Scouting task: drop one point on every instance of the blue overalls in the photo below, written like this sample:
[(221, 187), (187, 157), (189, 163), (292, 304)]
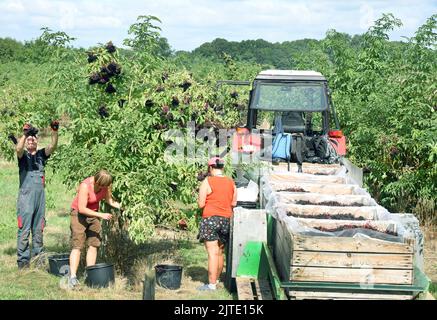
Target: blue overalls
[(31, 206)]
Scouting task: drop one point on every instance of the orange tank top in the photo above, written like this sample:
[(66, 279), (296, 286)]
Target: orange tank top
[(93, 198), (219, 201)]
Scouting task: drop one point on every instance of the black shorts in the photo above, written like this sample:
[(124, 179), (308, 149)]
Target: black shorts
[(215, 228)]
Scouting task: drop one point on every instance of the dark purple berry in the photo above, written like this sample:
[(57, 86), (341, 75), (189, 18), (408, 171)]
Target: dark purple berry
[(113, 69), (234, 95), (175, 101), (110, 47), (110, 89), (94, 78), (103, 112), (185, 86), (91, 57), (104, 79), (149, 103)]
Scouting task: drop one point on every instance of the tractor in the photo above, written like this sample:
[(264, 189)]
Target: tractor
[(296, 109)]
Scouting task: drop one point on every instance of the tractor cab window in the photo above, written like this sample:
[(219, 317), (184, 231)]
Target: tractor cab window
[(290, 96)]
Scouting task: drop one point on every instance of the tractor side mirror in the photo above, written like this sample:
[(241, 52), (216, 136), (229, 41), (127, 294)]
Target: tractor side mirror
[(335, 134)]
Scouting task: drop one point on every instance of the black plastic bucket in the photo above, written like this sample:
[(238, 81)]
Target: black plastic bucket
[(100, 275), (59, 264), (168, 276)]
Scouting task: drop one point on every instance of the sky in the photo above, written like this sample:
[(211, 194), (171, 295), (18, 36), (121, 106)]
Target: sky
[(189, 23)]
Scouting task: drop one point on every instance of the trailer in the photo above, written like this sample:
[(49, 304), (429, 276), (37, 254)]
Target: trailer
[(316, 233)]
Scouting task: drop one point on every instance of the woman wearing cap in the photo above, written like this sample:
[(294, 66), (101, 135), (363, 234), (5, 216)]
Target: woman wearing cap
[(85, 219), (217, 197)]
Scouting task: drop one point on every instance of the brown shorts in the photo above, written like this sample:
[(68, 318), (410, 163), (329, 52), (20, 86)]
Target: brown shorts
[(83, 229)]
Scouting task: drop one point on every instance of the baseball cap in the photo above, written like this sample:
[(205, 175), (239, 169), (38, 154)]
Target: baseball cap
[(215, 160)]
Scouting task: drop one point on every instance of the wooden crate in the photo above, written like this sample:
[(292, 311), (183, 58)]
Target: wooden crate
[(342, 259)]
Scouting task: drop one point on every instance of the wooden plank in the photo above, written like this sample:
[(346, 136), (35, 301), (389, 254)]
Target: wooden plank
[(266, 292), (244, 289), (364, 276), (263, 290), (352, 260), (329, 224), (342, 244), (308, 211), (301, 295), (283, 253)]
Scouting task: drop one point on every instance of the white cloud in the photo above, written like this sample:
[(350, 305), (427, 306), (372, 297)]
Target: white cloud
[(189, 23), (69, 14), (13, 6)]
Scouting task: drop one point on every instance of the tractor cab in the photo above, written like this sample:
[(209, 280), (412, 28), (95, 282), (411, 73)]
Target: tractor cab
[(294, 110)]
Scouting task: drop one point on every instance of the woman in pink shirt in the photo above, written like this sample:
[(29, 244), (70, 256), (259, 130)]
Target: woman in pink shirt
[(85, 219)]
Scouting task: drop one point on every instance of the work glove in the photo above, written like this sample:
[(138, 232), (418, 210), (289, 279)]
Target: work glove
[(12, 138), (54, 125)]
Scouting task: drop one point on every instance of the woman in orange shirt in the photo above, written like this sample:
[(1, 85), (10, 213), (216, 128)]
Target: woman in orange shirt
[(217, 197)]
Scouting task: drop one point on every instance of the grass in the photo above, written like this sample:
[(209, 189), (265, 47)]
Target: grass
[(167, 248), (36, 283)]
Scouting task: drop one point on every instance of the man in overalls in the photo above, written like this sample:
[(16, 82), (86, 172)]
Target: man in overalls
[(31, 198)]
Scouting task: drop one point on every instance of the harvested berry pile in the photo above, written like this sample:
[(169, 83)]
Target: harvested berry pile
[(292, 190), (347, 227), (329, 204), (349, 233), (327, 216)]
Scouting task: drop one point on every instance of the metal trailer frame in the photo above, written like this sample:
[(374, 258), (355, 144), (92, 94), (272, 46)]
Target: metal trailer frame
[(257, 263)]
